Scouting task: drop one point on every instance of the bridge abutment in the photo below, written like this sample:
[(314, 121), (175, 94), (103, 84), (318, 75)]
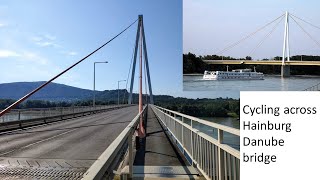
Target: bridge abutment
[(285, 71)]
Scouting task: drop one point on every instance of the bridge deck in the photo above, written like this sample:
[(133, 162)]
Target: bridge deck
[(63, 149), (158, 151), (158, 158), (271, 62)]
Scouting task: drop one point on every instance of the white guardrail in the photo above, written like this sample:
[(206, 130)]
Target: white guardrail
[(104, 166), (213, 158)]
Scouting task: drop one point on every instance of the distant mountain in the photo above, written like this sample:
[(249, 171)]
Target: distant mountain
[(64, 96), (60, 92), (52, 92)]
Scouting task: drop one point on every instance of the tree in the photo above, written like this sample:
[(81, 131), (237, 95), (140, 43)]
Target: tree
[(248, 58)]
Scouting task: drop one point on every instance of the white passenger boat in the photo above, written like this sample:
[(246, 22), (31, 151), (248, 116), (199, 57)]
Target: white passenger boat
[(237, 74)]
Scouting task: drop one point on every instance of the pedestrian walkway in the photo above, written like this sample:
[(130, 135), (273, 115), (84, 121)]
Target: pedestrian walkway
[(157, 157)]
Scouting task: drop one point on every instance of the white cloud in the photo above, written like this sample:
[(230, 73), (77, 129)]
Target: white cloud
[(24, 56), (45, 40), (34, 57), (50, 37), (72, 53), (48, 40), (36, 38), (68, 53), (8, 53), (2, 25), (44, 43)]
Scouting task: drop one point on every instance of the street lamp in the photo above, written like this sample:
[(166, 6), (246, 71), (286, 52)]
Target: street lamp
[(118, 90), (94, 81)]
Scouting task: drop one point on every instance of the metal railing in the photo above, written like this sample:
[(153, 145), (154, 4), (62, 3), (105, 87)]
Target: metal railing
[(32, 113), (108, 161), (213, 158), (313, 88), (53, 115)]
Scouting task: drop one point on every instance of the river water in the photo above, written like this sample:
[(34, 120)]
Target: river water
[(230, 139), (231, 88)]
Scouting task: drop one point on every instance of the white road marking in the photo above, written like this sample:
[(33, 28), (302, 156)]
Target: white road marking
[(38, 142)]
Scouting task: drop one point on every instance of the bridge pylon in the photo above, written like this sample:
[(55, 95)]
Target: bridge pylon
[(285, 69), (140, 32)]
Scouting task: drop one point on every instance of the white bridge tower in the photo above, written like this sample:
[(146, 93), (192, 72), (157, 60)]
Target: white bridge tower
[(285, 69)]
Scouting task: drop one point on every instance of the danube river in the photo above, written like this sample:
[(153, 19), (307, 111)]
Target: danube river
[(231, 88), (230, 139)]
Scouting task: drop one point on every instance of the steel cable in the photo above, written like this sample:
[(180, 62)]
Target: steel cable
[(248, 36), (263, 40), (304, 21), (46, 83), (308, 34)]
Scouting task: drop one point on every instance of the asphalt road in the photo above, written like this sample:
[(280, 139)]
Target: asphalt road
[(84, 138)]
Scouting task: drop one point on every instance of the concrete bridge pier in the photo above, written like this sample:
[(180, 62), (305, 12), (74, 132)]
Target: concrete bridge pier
[(285, 71)]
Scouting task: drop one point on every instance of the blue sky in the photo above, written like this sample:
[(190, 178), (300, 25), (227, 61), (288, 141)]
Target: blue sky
[(41, 38), (211, 25)]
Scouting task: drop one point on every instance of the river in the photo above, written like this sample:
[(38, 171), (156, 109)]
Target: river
[(231, 88), (230, 139)]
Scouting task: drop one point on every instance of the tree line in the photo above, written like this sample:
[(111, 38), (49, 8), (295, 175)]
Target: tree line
[(219, 107), (194, 64), (49, 104)]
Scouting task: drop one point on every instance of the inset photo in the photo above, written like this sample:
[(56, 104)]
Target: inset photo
[(233, 46)]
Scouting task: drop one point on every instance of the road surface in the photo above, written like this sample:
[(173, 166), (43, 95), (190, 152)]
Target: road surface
[(64, 147)]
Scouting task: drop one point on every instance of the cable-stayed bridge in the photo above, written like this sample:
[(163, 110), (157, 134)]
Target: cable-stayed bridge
[(125, 141), (285, 63)]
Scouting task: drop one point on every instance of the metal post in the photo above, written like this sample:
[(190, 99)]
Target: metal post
[(182, 118), (192, 155), (220, 155), (118, 91), (19, 118), (94, 82), (130, 144)]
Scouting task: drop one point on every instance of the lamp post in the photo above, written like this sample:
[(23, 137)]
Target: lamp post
[(94, 81), (118, 90)]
